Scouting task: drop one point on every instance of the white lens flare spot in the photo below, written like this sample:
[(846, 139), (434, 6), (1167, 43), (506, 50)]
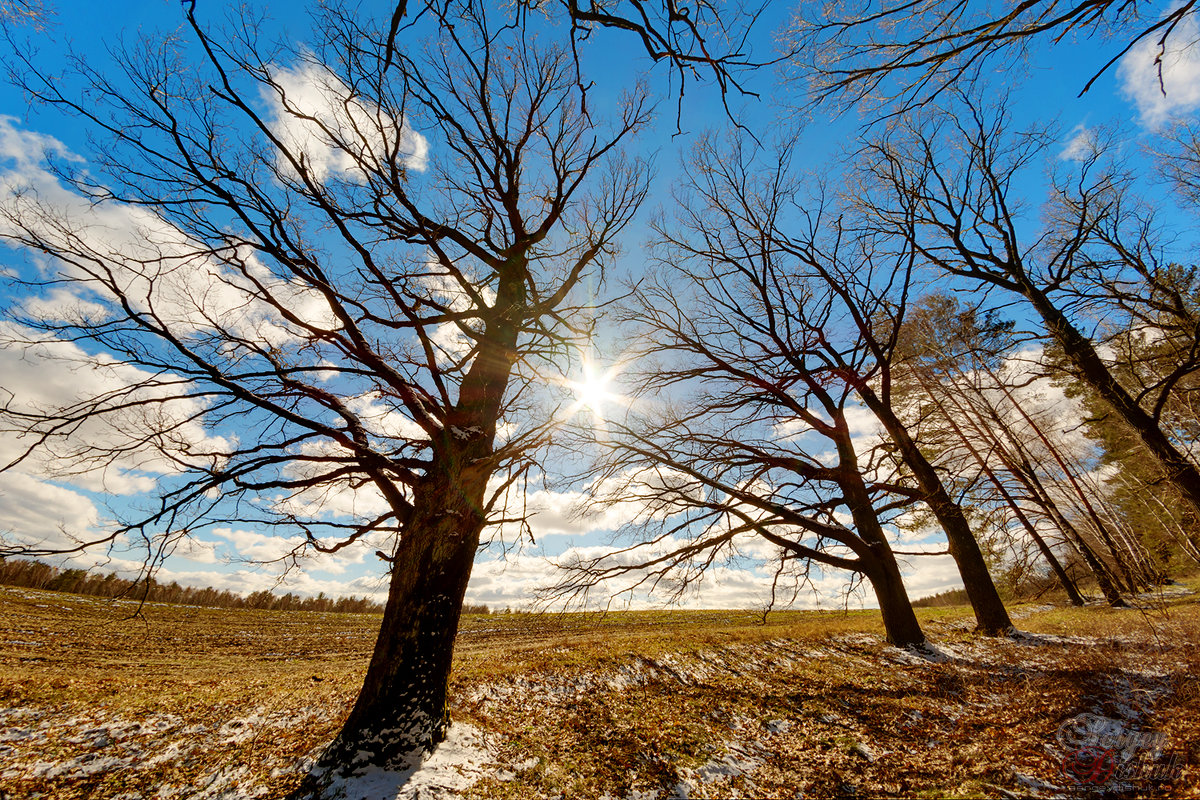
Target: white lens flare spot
[(594, 391)]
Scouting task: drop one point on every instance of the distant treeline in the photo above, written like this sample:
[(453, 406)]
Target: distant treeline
[(32, 574), (950, 597)]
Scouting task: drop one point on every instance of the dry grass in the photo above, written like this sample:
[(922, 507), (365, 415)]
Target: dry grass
[(205, 703)]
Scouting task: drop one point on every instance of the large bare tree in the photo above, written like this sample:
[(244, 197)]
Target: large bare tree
[(944, 184), (697, 39), (355, 267), (791, 320)]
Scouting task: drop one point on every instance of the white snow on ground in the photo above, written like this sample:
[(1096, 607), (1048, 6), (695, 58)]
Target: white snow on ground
[(458, 762), (105, 743), (735, 761)]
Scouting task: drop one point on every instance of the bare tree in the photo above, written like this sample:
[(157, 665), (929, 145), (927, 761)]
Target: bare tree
[(760, 460), (945, 185), (701, 39), (1179, 160), (23, 12), (820, 308), (353, 268)]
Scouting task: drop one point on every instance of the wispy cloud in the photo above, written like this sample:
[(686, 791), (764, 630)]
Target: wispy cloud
[(1081, 146), (1178, 92)]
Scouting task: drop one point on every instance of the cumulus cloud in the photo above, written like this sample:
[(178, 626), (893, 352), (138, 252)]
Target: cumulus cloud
[(42, 374), (928, 575), (200, 551), (1178, 93), (34, 511), (316, 115), (515, 581), (188, 285), (861, 421)]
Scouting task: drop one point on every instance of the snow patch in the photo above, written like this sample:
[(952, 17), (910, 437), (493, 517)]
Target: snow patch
[(454, 765)]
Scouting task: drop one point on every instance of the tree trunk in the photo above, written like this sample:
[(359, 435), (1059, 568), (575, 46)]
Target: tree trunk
[(1180, 471), (1074, 538), (878, 561), (991, 618), (900, 623), (401, 709)]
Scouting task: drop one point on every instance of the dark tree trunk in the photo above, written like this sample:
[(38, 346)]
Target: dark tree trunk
[(402, 705), (401, 709), (1179, 470), (900, 623), (991, 618)]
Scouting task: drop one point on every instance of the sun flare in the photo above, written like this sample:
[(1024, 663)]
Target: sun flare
[(593, 391)]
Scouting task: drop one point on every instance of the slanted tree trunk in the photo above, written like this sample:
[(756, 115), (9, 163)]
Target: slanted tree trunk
[(402, 709), (991, 618), (900, 623), (879, 562), (402, 705), (1056, 566), (1094, 517), (1101, 572), (933, 391), (1179, 470)]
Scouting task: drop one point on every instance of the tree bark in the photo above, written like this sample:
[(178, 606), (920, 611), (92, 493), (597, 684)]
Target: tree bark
[(900, 623), (1180, 471), (402, 707), (879, 562), (991, 618)]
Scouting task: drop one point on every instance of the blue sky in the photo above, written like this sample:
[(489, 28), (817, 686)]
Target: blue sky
[(35, 503)]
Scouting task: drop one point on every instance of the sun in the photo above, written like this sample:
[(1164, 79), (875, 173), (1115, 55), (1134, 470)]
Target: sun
[(593, 391)]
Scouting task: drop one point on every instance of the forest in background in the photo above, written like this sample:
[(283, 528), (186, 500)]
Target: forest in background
[(33, 574)]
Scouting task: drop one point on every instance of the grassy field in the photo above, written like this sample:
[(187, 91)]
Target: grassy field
[(205, 703)]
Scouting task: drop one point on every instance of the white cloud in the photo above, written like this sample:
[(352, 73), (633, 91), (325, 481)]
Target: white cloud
[(742, 582), (33, 511), (45, 374), (348, 498), (514, 582), (928, 575), (316, 115), (256, 546), (301, 582), (451, 341), (200, 551), (384, 419), (1080, 146), (1179, 91), (153, 264)]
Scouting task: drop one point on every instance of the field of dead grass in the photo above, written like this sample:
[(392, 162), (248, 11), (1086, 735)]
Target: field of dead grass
[(204, 703)]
